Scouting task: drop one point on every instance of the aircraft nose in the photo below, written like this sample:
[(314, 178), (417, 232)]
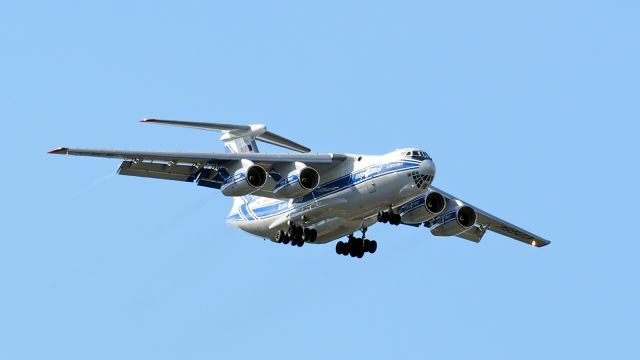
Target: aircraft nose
[(427, 167)]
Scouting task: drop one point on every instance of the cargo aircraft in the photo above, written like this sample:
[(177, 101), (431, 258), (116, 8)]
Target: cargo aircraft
[(315, 198)]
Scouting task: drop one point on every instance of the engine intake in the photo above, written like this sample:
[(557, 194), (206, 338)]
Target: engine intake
[(423, 208), (297, 183), (256, 176), (245, 181), (456, 219)]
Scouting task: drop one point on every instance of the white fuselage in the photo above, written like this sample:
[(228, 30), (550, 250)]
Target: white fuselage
[(347, 200)]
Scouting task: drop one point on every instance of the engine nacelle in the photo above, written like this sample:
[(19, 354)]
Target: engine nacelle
[(297, 182), (423, 208), (246, 180), (455, 219)]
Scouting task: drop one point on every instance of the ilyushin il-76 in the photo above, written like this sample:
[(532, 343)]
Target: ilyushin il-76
[(299, 198)]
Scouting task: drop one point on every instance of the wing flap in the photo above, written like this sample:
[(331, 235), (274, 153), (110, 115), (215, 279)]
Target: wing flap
[(165, 171)]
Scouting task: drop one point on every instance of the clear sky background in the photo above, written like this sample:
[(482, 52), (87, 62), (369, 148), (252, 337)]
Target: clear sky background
[(529, 109)]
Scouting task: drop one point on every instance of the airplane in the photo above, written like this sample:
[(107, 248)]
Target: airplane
[(299, 198)]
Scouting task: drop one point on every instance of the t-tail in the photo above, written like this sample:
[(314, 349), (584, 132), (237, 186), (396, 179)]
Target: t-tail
[(238, 138)]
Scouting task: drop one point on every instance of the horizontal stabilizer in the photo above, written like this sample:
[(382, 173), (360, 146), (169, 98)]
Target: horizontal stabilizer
[(198, 125), (259, 132)]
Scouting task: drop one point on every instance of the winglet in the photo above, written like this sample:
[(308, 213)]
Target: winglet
[(60, 150)]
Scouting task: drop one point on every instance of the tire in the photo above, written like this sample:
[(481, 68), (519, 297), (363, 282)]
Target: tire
[(286, 239), (280, 236), (373, 246), (339, 247), (314, 235), (306, 234), (352, 251), (367, 244)]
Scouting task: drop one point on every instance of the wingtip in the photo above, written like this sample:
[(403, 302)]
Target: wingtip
[(60, 150), (540, 243), (147, 120)]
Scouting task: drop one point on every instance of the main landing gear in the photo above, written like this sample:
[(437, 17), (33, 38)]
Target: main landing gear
[(297, 235), (389, 217), (356, 247)]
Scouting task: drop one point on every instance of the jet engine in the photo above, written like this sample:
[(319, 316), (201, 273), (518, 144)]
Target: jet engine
[(456, 219), (246, 180), (299, 181), (423, 208)]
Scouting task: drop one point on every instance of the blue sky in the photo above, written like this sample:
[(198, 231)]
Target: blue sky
[(529, 109)]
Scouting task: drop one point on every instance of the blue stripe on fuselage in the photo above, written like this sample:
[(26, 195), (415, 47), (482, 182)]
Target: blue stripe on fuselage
[(329, 188)]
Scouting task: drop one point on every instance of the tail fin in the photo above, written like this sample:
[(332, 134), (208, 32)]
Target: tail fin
[(238, 138)]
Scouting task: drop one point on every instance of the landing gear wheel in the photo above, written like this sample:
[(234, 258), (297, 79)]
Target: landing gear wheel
[(314, 235), (367, 244), (352, 250), (339, 247), (383, 217), (280, 235), (298, 237), (306, 234), (373, 246)]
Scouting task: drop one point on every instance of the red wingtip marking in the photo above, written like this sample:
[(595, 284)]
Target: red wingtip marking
[(58, 150)]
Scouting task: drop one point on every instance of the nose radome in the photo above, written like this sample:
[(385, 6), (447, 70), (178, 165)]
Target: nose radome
[(427, 167)]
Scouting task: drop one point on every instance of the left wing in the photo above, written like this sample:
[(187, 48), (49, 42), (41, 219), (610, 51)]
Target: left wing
[(201, 167), (486, 221)]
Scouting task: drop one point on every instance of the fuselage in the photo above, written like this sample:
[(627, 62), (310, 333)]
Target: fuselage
[(348, 198)]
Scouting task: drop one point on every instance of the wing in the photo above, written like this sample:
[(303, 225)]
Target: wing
[(486, 221), (199, 167)]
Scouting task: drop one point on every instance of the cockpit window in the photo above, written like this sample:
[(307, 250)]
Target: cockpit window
[(416, 154)]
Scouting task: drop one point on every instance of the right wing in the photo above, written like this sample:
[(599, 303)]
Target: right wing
[(201, 167), (486, 221)]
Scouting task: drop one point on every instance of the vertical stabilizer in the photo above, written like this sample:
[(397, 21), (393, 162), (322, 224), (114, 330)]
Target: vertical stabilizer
[(242, 140)]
